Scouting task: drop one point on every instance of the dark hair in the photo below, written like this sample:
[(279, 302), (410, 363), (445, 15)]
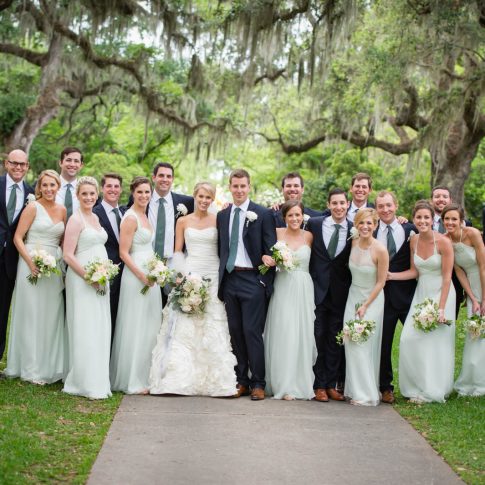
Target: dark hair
[(292, 175), (423, 204), (337, 191), (111, 176), (440, 187), (361, 176), (289, 204), (239, 173), (69, 150), (139, 181), (453, 207), (164, 165)]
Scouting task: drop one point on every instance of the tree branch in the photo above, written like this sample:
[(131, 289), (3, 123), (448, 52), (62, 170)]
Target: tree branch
[(36, 58)]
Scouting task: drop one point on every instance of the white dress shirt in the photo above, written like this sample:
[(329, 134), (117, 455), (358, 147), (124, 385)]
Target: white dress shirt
[(20, 195), (242, 257), (329, 227), (353, 209), (169, 221), (397, 233), (61, 194), (112, 217)]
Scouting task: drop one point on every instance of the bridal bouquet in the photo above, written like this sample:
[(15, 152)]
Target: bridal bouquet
[(45, 263), (356, 330), (101, 272), (475, 326), (283, 257), (158, 273), (190, 294), (426, 316)]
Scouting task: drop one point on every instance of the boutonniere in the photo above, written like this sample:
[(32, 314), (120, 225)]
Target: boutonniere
[(411, 234), (30, 198), (306, 218), (182, 210), (250, 217), (354, 233)]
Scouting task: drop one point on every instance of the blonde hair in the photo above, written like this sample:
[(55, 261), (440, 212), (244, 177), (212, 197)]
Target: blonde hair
[(86, 180), (364, 213), (206, 186), (46, 173)]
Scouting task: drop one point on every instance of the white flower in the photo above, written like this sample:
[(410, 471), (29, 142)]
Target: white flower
[(306, 218), (250, 217), (411, 234), (182, 210), (354, 233), (30, 198)]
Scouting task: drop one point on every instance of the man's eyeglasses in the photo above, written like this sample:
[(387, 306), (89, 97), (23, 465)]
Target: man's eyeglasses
[(18, 164)]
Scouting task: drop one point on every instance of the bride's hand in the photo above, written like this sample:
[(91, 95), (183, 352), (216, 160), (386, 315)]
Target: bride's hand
[(268, 261), (146, 281)]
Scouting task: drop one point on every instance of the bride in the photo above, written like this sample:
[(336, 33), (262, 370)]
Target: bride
[(193, 352)]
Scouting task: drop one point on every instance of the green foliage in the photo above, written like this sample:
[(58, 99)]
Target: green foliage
[(102, 163)]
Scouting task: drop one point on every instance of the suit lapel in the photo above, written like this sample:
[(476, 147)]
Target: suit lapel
[(225, 218), (106, 223), (3, 188)]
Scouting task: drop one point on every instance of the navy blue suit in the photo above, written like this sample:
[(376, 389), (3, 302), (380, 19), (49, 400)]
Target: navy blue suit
[(246, 293), (331, 280), (279, 221), (8, 258), (398, 297), (113, 250)]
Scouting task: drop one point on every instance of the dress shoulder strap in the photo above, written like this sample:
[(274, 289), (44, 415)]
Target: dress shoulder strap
[(131, 212), (416, 245), (434, 243), (461, 234), (82, 218)]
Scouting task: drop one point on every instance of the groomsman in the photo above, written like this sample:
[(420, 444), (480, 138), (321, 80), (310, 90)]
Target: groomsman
[(164, 209), (246, 232), (360, 188), (13, 196), (398, 294), (293, 188), (70, 163), (109, 214), (331, 278)]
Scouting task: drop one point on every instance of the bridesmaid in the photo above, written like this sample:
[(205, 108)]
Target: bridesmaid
[(87, 313), (36, 347), (139, 316), (289, 341), (368, 263), (470, 269), (426, 360)]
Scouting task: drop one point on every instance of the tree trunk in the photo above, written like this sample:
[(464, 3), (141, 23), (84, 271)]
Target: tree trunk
[(46, 105), (451, 163)]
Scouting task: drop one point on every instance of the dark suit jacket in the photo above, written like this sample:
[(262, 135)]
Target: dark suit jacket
[(7, 231), (112, 245), (259, 237), (331, 277), (279, 221), (400, 294)]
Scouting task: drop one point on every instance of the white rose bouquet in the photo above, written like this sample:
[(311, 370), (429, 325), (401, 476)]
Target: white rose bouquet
[(426, 316), (158, 273), (45, 263), (356, 330), (283, 256), (101, 272), (475, 327), (190, 294)]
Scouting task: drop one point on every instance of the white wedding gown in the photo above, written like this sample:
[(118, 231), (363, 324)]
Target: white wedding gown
[(193, 354)]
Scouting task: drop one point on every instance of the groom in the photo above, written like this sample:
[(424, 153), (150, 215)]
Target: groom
[(331, 278), (246, 232)]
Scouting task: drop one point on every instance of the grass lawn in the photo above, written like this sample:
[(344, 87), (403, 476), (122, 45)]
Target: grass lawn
[(48, 436), (456, 429)]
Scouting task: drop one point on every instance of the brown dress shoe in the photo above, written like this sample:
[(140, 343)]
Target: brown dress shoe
[(242, 391), (335, 395), (388, 397), (321, 395), (257, 394)]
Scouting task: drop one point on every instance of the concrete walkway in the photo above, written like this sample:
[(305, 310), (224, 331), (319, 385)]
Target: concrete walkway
[(195, 440)]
